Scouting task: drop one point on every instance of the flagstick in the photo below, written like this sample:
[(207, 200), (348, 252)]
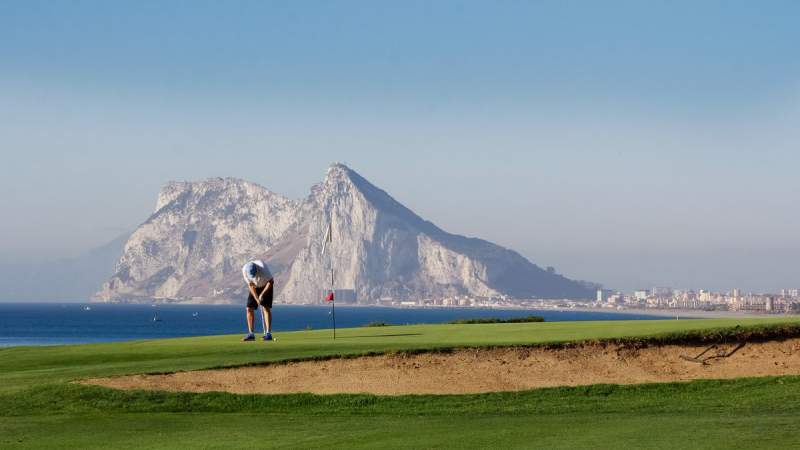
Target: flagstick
[(333, 303), (329, 240)]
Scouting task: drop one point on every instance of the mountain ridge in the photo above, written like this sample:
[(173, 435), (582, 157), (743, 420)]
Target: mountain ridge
[(193, 245)]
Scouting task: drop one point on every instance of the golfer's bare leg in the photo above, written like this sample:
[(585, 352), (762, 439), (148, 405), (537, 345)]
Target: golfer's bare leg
[(250, 320), (267, 312)]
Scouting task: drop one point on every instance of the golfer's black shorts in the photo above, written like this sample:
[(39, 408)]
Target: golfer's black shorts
[(266, 299)]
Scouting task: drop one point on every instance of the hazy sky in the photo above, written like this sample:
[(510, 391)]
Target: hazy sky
[(629, 143)]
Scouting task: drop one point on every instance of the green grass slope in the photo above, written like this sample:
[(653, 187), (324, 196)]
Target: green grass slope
[(39, 408)]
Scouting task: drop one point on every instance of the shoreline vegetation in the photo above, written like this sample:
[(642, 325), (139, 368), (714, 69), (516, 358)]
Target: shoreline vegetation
[(479, 320), (473, 321)]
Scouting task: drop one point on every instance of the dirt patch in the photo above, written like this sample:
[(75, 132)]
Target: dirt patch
[(480, 370)]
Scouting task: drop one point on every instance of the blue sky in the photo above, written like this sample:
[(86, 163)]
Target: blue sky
[(630, 143)]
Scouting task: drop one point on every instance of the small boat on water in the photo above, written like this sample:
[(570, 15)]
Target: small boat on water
[(88, 308), (195, 314), (156, 318)]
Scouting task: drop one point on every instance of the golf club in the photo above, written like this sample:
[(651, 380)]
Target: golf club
[(263, 322)]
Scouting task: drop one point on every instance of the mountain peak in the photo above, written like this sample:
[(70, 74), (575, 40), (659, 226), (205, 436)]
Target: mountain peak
[(341, 179), (337, 166), (338, 172)]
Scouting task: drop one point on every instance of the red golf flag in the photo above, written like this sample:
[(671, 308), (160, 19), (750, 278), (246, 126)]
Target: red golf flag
[(329, 298)]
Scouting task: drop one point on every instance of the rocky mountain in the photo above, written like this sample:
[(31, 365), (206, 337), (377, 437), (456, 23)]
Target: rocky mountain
[(201, 233)]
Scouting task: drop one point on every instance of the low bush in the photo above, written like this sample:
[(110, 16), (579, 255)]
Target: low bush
[(498, 320)]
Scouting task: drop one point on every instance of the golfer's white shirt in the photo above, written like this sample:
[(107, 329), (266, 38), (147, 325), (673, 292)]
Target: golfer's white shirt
[(262, 277)]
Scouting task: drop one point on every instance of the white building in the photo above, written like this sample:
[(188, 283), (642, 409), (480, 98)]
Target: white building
[(662, 292)]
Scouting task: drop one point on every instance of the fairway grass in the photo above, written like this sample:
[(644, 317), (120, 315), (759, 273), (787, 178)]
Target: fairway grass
[(40, 408)]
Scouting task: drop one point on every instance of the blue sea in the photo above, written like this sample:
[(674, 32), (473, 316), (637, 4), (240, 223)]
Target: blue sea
[(79, 323)]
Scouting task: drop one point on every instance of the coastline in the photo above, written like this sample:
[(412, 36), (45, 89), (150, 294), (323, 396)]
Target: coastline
[(666, 313), (682, 313)]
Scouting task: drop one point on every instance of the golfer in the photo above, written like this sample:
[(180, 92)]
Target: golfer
[(260, 284)]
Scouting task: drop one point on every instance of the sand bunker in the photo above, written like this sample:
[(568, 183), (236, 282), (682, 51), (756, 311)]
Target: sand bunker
[(479, 370)]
